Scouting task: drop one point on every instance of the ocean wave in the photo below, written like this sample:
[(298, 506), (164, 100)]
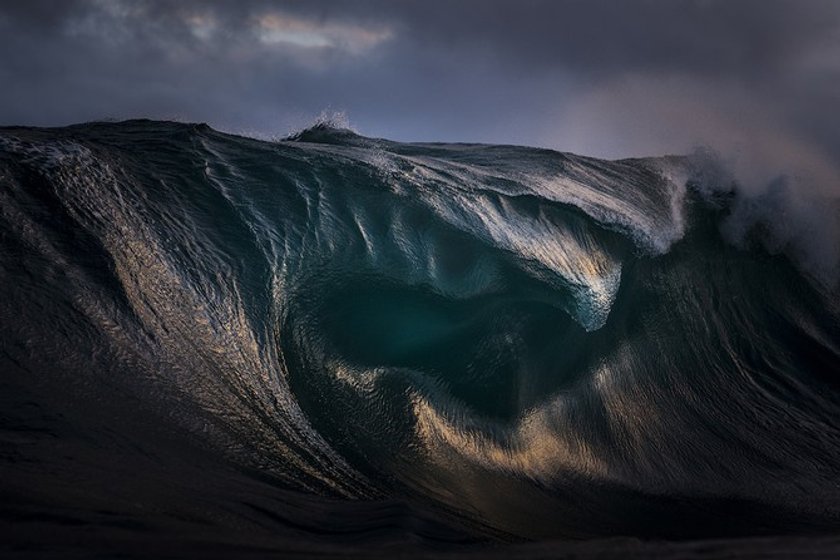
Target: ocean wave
[(518, 343)]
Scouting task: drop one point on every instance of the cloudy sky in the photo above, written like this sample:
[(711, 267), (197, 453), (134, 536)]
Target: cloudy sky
[(760, 79)]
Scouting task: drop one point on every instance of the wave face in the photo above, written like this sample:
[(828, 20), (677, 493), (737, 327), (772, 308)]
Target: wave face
[(360, 340)]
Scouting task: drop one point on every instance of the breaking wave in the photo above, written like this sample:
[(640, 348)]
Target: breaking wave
[(484, 342)]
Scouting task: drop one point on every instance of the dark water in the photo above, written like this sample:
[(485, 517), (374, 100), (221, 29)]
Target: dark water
[(344, 346)]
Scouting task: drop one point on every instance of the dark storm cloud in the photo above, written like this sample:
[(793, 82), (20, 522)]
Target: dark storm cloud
[(607, 78), (601, 37)]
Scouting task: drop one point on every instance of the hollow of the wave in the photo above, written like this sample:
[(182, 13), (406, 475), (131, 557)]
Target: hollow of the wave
[(497, 354)]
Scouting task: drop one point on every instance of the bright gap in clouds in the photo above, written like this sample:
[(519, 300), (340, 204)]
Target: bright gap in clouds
[(278, 28)]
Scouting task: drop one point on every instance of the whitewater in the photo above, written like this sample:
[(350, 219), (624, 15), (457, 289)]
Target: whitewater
[(331, 343)]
